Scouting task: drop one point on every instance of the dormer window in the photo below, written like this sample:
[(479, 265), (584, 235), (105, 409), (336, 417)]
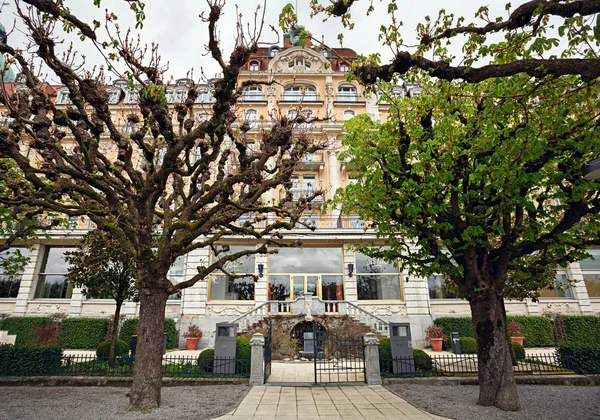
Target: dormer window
[(325, 53), (273, 52), (344, 67), (62, 98), (177, 96), (132, 96), (204, 96), (114, 96), (254, 66)]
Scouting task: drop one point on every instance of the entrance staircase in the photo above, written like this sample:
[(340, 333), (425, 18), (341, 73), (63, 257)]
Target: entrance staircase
[(309, 305)]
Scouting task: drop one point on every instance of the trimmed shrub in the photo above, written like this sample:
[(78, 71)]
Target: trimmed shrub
[(468, 345), (128, 331), (206, 360), (243, 354), (538, 329), (121, 349), (581, 329), (519, 351), (583, 359), (29, 360), (22, 326), (83, 333), (423, 362)]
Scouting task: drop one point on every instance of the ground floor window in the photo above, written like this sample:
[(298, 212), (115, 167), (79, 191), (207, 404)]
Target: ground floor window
[(52, 283), (438, 289), (376, 279), (225, 287), (592, 284), (176, 275), (11, 271), (561, 288)]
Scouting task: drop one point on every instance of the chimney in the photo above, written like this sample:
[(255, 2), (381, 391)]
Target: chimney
[(286, 41)]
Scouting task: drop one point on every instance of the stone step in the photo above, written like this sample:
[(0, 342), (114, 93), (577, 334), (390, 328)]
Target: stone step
[(6, 338)]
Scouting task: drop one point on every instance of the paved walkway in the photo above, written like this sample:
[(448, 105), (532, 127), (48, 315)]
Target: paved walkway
[(327, 403)]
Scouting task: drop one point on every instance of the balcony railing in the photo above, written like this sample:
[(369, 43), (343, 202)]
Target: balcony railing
[(253, 97), (312, 161), (299, 97), (349, 97)]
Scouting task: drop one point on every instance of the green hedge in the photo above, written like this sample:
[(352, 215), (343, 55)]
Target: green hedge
[(29, 360), (519, 351), (128, 331), (582, 329), (538, 329), (83, 333), (583, 359), (468, 345), (22, 326)]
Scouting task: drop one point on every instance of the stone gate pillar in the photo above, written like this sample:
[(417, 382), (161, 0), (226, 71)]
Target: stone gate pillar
[(372, 371), (257, 374)]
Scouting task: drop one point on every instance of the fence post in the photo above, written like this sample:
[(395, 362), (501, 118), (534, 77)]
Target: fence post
[(372, 372), (257, 375)]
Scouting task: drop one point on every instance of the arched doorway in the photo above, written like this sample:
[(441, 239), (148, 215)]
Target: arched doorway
[(303, 327)]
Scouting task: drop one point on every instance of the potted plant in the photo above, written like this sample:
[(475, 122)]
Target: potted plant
[(192, 335), (516, 331), (435, 335)]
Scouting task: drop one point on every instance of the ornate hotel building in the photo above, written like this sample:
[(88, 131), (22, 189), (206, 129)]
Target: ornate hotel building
[(342, 281)]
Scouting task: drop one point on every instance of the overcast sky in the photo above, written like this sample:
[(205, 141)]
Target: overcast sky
[(175, 25)]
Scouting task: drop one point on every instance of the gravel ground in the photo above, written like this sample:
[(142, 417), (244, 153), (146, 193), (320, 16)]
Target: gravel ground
[(538, 402), (104, 403)]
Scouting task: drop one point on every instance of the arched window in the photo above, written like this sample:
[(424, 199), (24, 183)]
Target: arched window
[(114, 95), (299, 62), (300, 93), (347, 94), (253, 93), (348, 115), (251, 117), (254, 66), (273, 52)]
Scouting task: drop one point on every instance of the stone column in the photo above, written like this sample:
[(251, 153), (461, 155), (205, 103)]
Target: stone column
[(578, 288), (372, 372), (28, 280), (257, 373), (77, 299), (350, 286)]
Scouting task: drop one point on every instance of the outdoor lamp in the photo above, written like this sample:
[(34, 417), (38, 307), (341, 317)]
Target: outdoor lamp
[(350, 269), (261, 270)]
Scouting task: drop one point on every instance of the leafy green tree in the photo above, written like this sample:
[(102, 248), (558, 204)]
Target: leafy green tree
[(104, 270), (170, 187), (480, 179)]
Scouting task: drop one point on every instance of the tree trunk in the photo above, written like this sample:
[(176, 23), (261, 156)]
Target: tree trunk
[(497, 385), (114, 334), (147, 373)]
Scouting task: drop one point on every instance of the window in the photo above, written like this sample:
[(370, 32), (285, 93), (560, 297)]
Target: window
[(197, 154), (299, 62), (273, 52), (438, 289), (129, 127), (348, 115), (202, 117), (376, 279), (52, 283), (251, 117), (62, 98), (355, 222), (176, 275), (161, 157), (303, 186), (325, 53), (300, 93), (224, 287), (561, 288), (177, 95), (114, 96), (293, 113), (10, 276), (132, 96), (590, 268), (254, 66), (253, 93), (344, 67), (347, 94), (204, 96)]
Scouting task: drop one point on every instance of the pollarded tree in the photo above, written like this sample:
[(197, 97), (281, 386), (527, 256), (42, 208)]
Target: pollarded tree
[(105, 271), (169, 190), (484, 172)]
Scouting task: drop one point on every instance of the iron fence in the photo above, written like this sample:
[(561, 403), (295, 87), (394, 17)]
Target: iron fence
[(465, 364), (211, 367)]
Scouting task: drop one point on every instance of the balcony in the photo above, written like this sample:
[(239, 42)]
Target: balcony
[(313, 161), (299, 97), (349, 98), (253, 97), (297, 194)]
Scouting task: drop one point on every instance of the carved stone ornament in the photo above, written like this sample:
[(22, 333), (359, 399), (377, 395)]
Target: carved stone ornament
[(281, 63), (47, 308), (227, 310), (257, 340), (385, 310), (559, 307), (371, 339)]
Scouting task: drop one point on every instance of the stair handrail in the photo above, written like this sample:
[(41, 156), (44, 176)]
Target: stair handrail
[(364, 311), (262, 305)]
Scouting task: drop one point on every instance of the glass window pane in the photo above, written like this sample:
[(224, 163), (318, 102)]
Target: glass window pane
[(306, 260), (378, 287), (279, 288), (591, 264), (438, 289), (592, 283), (243, 265), (367, 265), (332, 287), (9, 284), (51, 280), (230, 288)]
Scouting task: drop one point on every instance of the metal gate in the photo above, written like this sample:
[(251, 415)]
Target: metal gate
[(268, 352), (338, 359)]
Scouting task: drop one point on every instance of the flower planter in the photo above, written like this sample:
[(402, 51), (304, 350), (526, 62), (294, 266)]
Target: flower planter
[(436, 343), (191, 343), (518, 340)]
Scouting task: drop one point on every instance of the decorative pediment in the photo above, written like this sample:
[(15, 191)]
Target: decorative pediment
[(299, 60)]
